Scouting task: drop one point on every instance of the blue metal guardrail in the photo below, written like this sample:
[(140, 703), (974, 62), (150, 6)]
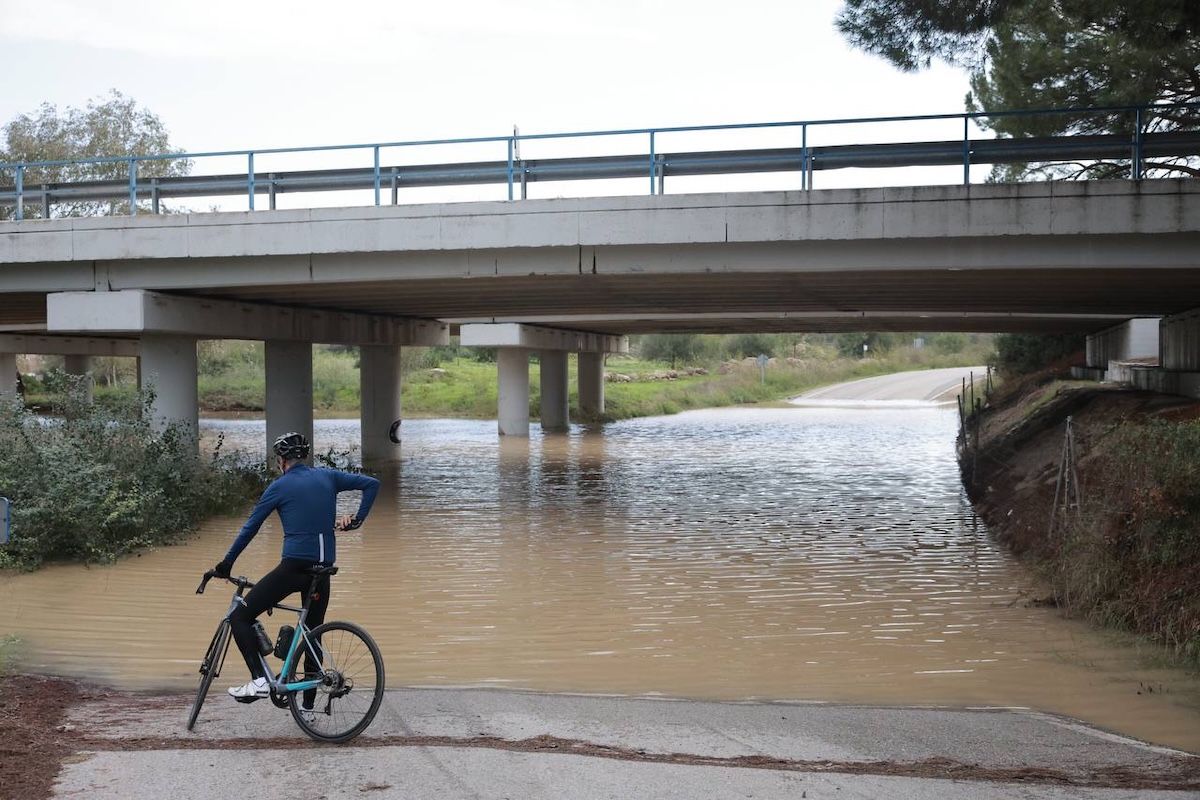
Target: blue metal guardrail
[(5, 520), (1135, 146)]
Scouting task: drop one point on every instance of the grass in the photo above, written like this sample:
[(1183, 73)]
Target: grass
[(1130, 559)]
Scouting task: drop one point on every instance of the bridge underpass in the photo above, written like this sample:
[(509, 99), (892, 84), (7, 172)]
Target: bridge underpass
[(1049, 257)]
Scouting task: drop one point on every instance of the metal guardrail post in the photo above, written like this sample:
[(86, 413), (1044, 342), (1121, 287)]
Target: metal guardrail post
[(1135, 165), (651, 162), (133, 187), (19, 214), (966, 150), (46, 200), (511, 144), (250, 179), (376, 149), (395, 186), (804, 157), (155, 206)]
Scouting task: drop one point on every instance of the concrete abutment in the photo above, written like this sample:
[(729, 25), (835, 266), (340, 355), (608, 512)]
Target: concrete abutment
[(1159, 355)]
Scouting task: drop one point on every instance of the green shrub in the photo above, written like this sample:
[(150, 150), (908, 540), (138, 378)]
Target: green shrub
[(97, 481), (1020, 353), (1131, 558)]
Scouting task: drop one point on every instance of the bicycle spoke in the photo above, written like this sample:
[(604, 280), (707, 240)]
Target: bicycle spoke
[(351, 674)]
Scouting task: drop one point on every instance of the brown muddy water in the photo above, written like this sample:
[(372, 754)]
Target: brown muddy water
[(816, 553)]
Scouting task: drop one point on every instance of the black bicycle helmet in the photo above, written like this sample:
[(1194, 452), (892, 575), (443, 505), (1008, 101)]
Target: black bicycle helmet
[(292, 446)]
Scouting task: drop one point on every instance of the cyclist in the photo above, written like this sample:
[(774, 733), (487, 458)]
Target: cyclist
[(306, 499)]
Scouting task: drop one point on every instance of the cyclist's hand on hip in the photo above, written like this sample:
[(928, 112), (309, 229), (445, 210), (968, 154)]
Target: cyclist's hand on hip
[(348, 523), (221, 570)]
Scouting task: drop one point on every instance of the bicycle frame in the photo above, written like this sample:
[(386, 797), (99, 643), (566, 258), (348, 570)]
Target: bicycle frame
[(301, 634), (298, 636)]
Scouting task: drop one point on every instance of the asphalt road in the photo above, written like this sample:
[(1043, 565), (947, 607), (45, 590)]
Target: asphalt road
[(449, 743), (923, 386)]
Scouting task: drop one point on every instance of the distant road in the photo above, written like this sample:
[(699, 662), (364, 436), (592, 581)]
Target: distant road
[(929, 385)]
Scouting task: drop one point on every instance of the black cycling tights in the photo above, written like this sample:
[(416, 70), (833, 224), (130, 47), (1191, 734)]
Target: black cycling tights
[(285, 579)]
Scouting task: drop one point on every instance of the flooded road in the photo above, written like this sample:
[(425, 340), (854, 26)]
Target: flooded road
[(806, 553)]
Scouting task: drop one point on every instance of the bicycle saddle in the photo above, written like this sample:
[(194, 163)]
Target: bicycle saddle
[(318, 570)]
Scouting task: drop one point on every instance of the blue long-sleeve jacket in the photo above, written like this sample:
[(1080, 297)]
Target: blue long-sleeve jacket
[(306, 500)]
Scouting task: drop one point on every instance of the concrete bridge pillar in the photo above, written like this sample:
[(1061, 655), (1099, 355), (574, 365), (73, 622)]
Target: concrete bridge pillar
[(515, 340), (591, 384), (8, 375), (554, 399), (512, 363), (379, 380), (168, 366), (289, 402), (81, 367)]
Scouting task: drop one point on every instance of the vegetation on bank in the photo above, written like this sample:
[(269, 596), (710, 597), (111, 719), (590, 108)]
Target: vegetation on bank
[(1131, 557), (98, 481), (1127, 556), (663, 374)]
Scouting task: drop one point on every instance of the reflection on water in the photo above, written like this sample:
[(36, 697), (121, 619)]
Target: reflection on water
[(793, 553)]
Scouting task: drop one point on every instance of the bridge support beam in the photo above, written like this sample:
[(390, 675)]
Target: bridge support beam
[(168, 366), (591, 384), (379, 380), (289, 402), (8, 376), (512, 363), (554, 394)]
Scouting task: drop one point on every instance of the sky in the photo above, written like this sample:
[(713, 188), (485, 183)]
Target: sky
[(240, 75)]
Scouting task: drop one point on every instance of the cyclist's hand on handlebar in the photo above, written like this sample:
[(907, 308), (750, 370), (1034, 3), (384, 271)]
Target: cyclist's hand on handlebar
[(221, 570)]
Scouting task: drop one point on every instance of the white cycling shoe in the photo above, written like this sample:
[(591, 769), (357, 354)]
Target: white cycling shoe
[(251, 691)]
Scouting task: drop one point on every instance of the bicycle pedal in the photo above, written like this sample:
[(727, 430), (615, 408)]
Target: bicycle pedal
[(247, 699)]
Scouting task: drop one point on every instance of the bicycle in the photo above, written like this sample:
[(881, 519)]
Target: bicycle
[(340, 682)]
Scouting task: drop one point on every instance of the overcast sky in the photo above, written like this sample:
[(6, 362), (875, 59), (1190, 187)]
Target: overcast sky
[(233, 75)]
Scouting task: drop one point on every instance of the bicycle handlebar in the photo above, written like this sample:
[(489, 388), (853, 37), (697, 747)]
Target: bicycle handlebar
[(240, 582)]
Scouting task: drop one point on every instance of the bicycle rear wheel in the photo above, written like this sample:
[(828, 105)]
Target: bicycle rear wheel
[(352, 683), (210, 668)]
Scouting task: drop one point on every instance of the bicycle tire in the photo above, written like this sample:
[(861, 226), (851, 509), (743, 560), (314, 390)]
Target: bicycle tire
[(210, 668), (344, 650)]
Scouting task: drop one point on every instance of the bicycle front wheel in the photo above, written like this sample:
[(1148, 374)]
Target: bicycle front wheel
[(210, 668), (349, 665)]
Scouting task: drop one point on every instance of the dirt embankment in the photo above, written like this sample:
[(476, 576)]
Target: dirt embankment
[(34, 740), (1128, 554)]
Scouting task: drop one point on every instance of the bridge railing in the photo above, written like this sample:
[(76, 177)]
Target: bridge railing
[(128, 180)]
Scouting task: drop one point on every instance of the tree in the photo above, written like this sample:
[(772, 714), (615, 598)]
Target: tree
[(746, 345), (1020, 353), (1066, 53), (108, 126), (851, 344), (673, 347), (912, 33)]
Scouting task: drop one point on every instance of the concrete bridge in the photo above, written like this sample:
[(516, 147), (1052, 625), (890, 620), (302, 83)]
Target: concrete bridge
[(576, 275)]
